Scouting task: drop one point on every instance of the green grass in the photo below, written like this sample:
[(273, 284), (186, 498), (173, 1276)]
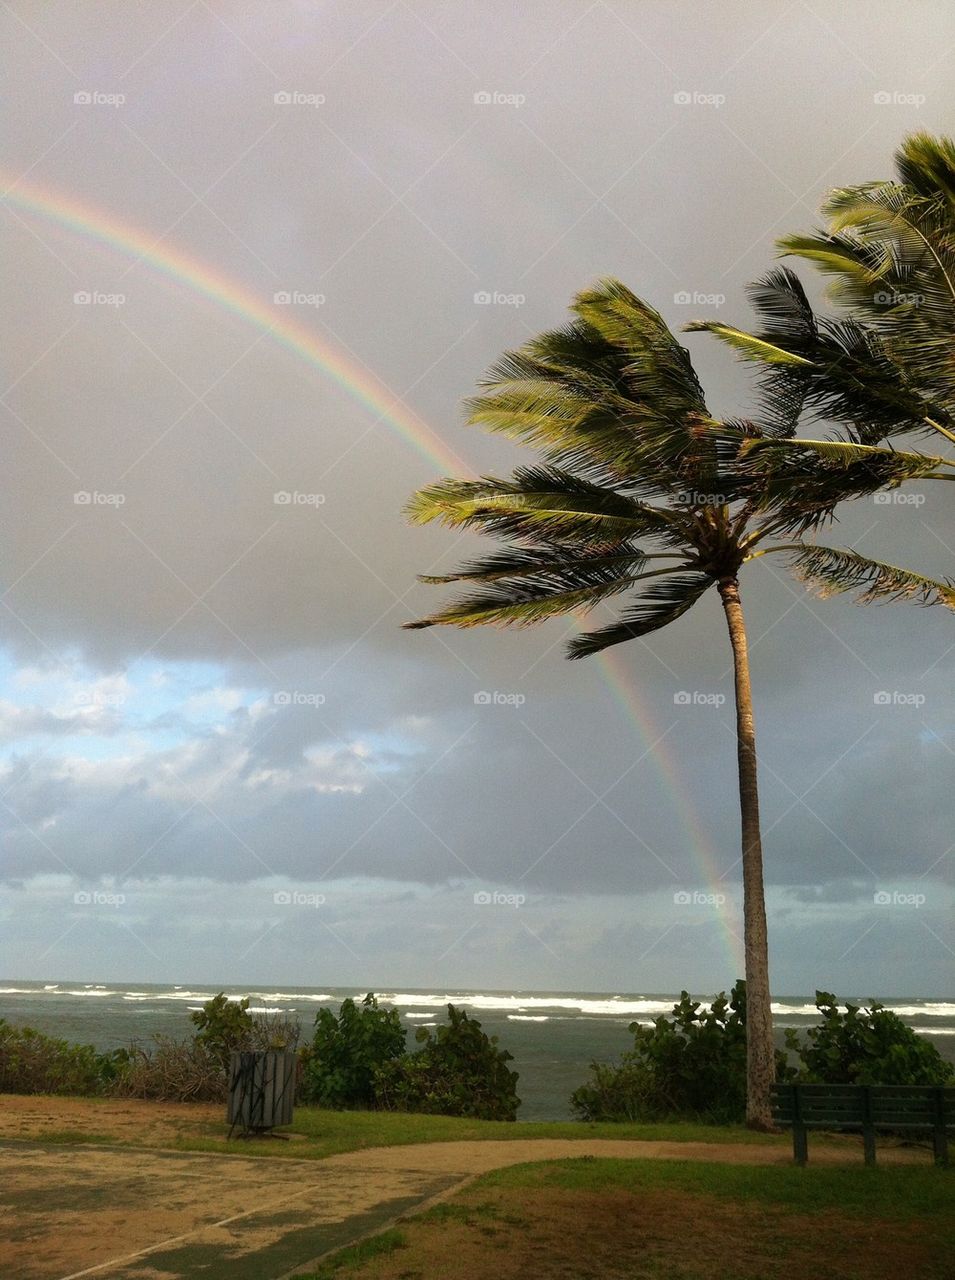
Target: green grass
[(881, 1196), (356, 1255), (889, 1191), (68, 1137), (334, 1132)]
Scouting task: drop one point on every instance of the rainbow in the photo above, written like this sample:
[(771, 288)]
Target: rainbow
[(105, 228), (346, 371), (627, 694)]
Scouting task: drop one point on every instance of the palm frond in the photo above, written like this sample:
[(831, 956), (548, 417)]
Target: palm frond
[(660, 604), (833, 571)]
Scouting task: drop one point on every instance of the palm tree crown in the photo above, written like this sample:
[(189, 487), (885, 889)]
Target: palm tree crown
[(638, 493)]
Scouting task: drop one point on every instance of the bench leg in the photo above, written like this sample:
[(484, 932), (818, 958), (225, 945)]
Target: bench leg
[(868, 1142), (800, 1144), (940, 1143)]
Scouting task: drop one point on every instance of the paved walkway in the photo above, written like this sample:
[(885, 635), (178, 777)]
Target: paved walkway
[(119, 1213)]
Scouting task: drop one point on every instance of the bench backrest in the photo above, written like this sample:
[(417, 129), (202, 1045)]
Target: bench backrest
[(885, 1106)]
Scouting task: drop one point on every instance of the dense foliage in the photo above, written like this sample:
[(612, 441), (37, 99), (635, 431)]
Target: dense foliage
[(460, 1071), (31, 1062), (339, 1068), (865, 1046), (692, 1064)]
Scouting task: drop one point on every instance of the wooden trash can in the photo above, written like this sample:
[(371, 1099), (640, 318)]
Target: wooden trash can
[(261, 1089)]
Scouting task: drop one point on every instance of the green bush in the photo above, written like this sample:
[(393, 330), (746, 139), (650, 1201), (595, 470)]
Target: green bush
[(339, 1067), (691, 1065), (31, 1062), (460, 1071), (865, 1046), (223, 1025)]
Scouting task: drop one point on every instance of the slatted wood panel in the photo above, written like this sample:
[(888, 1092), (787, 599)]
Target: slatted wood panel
[(869, 1108), (261, 1089)]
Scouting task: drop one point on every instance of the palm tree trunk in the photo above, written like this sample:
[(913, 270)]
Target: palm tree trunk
[(760, 1052)]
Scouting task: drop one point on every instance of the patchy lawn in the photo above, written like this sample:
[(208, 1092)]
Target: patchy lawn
[(637, 1220)]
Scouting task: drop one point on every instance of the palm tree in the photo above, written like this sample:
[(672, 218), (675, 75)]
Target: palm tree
[(633, 497), (887, 366)]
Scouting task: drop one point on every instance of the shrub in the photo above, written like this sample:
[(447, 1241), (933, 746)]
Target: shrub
[(459, 1072), (340, 1065), (197, 1070), (223, 1025), (170, 1070), (31, 1062), (691, 1065), (865, 1046)]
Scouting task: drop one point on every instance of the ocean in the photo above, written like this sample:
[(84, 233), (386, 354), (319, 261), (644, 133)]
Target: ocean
[(554, 1036)]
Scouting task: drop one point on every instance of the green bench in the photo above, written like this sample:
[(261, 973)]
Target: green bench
[(867, 1109)]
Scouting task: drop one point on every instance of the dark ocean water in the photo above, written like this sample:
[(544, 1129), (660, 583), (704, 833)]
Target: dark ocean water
[(553, 1036)]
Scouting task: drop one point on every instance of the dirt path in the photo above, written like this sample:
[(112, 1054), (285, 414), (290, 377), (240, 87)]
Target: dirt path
[(140, 1212)]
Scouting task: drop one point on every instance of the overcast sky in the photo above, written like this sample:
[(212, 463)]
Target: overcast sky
[(222, 759)]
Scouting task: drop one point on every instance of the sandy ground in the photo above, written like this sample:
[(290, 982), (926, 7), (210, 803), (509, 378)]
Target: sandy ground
[(122, 1212)]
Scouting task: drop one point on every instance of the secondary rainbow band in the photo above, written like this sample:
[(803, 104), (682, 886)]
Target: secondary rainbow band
[(347, 372), (106, 229)]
